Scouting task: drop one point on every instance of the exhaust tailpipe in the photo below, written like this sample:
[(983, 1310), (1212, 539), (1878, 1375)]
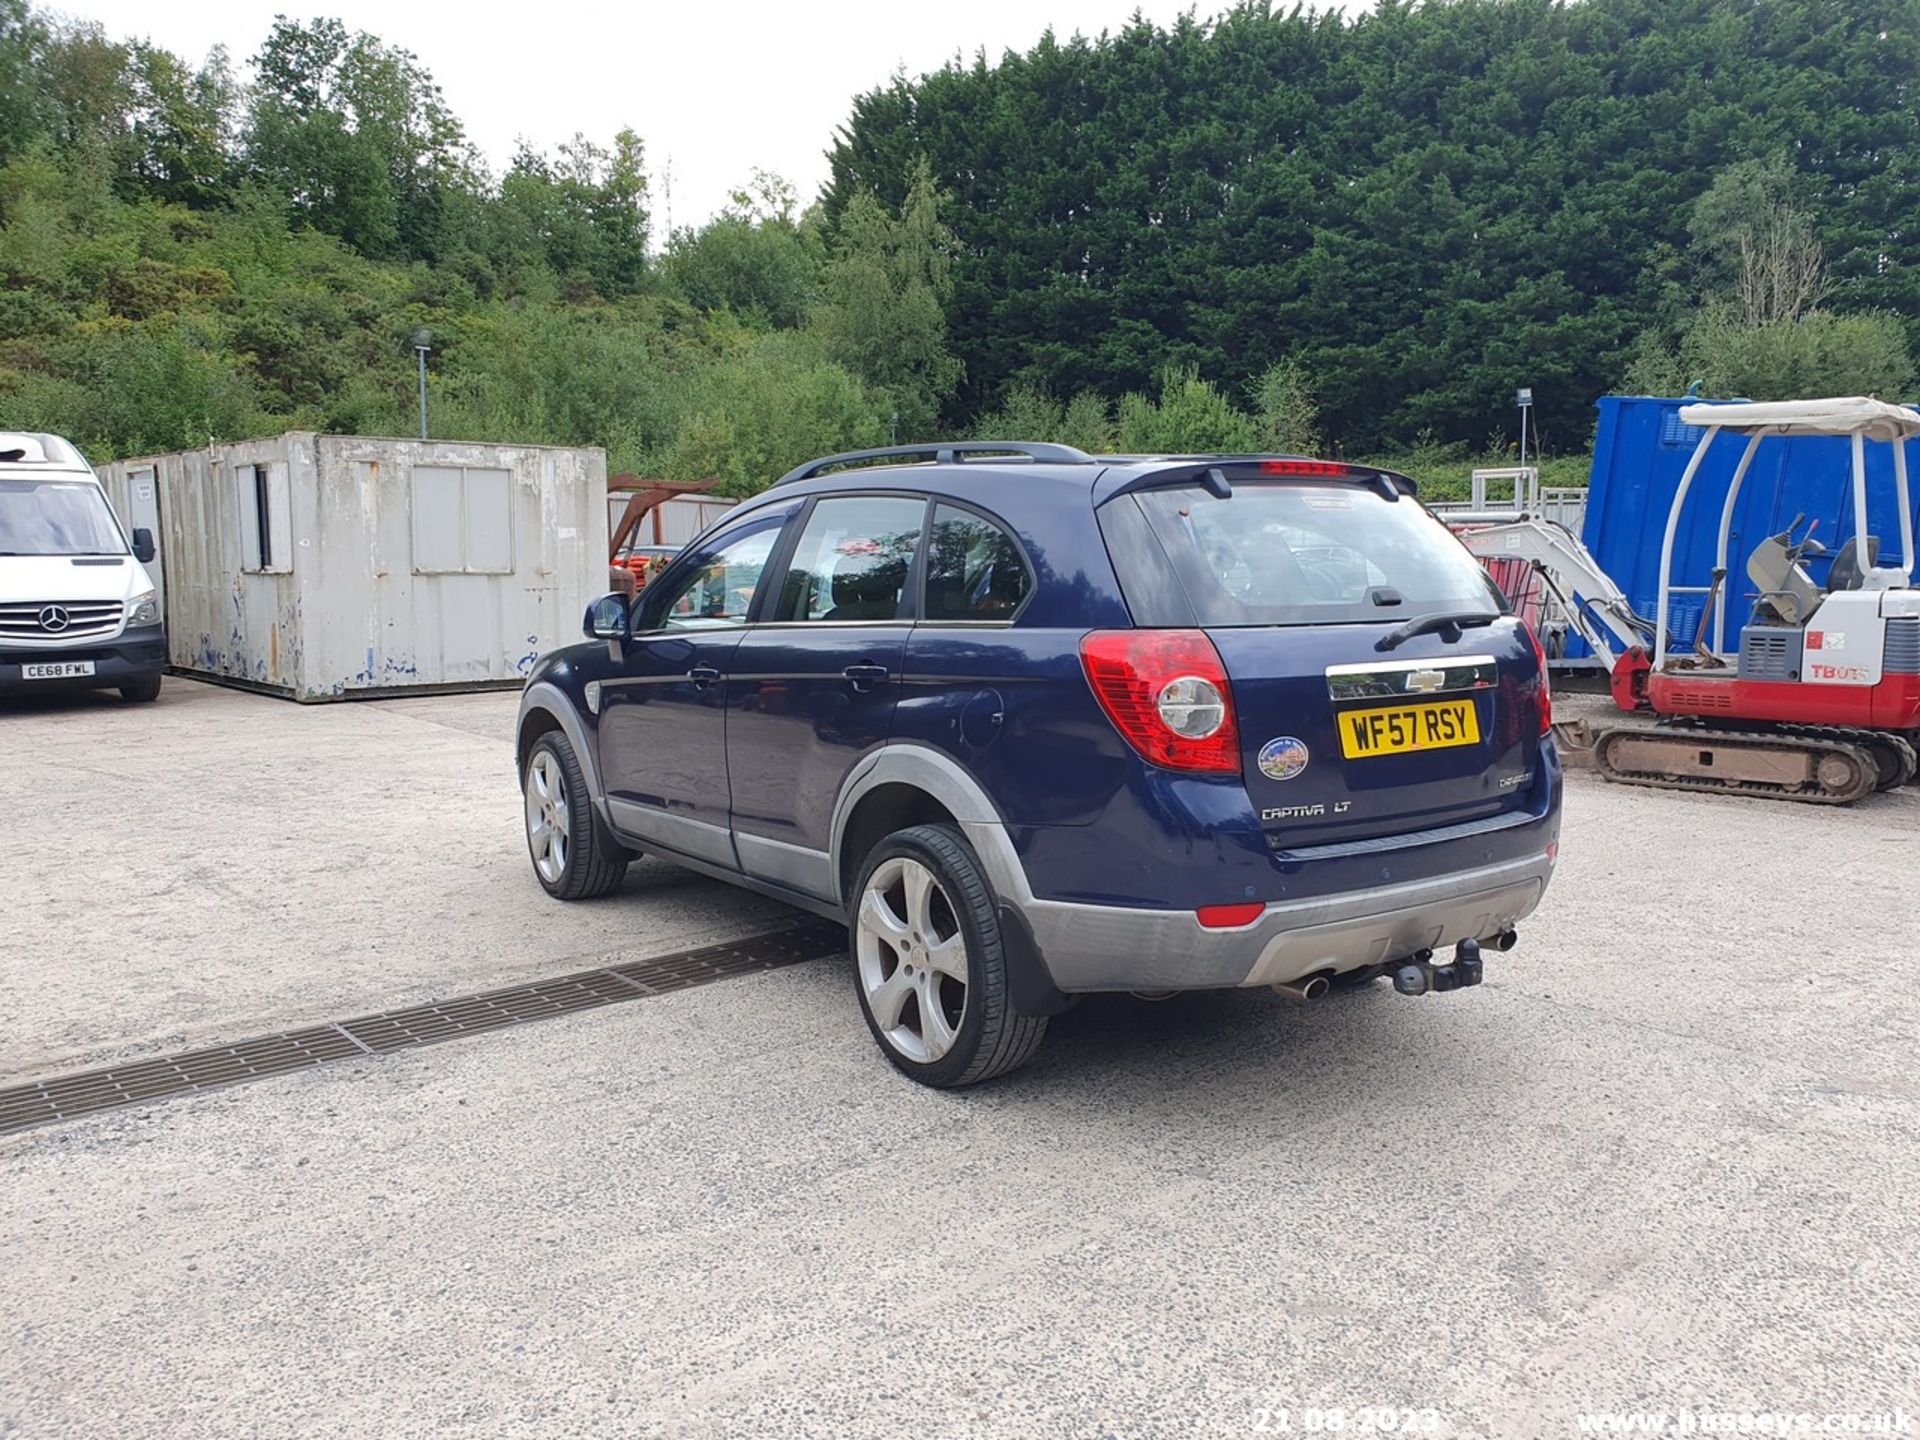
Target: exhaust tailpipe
[(1506, 940), (1313, 987)]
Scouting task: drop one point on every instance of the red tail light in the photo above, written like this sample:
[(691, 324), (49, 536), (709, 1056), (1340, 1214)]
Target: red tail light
[(1546, 691), (1166, 692)]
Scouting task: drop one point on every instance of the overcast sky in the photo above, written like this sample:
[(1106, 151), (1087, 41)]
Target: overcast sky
[(714, 88)]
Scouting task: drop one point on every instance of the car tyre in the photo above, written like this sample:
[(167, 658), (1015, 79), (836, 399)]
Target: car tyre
[(574, 856), (141, 692), (929, 967)]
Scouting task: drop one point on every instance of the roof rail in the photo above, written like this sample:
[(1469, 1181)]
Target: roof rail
[(943, 452)]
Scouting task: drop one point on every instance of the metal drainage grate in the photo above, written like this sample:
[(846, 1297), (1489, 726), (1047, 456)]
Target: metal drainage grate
[(65, 1097)]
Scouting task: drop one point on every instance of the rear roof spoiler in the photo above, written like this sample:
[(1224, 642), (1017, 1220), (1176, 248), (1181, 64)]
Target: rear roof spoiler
[(1217, 472)]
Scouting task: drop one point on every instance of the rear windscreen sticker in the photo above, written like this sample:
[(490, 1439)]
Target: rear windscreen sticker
[(1328, 502), (1283, 757)]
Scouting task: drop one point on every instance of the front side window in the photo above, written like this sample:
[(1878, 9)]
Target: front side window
[(56, 517), (853, 560), (974, 568), (719, 590)]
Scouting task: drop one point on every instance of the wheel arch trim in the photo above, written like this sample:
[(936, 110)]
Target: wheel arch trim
[(545, 696), (946, 781)]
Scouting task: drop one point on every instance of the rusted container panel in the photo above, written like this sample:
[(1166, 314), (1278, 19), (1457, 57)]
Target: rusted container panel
[(329, 566)]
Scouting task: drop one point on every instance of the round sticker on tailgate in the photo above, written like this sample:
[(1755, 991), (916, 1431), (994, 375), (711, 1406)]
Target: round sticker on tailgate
[(1283, 757)]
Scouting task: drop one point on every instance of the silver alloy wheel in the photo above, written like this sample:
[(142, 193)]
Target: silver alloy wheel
[(547, 833), (912, 958)]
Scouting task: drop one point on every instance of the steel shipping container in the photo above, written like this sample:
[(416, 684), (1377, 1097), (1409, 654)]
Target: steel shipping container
[(325, 567)]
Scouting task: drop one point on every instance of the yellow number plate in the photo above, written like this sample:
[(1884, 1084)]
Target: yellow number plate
[(1396, 729)]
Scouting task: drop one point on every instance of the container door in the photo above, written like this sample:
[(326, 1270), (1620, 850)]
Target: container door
[(143, 513)]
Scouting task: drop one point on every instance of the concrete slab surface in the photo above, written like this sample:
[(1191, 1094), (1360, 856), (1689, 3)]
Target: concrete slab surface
[(194, 869), (1664, 1158)]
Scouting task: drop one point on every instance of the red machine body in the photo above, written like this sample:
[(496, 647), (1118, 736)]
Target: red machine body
[(1893, 704)]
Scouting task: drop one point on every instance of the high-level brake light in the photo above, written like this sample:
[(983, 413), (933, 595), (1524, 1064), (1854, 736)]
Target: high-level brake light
[(1319, 469)]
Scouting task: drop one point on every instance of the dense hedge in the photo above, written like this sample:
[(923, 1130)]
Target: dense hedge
[(1425, 205)]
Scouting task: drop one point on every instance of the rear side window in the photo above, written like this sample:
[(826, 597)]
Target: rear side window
[(853, 559), (975, 570), (1294, 554)]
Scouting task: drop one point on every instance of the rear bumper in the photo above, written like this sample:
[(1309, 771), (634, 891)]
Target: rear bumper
[(1108, 947), (1331, 909), (133, 656)]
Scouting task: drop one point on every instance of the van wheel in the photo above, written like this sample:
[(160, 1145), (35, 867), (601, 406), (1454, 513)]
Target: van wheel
[(574, 858), (928, 964), (141, 692)]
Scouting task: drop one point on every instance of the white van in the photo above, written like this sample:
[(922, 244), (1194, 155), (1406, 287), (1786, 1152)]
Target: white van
[(77, 607)]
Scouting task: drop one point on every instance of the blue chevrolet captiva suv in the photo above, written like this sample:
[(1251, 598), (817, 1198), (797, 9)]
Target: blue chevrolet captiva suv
[(1034, 723)]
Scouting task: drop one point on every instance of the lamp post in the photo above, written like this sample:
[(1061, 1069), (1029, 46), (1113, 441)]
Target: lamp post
[(423, 342)]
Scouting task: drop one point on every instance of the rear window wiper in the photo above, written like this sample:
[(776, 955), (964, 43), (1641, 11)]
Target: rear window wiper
[(1448, 625)]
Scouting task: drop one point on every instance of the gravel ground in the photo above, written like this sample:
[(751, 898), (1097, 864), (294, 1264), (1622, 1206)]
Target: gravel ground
[(1665, 1157)]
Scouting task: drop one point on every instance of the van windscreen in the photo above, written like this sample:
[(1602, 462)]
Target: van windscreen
[(56, 517), (1305, 554)]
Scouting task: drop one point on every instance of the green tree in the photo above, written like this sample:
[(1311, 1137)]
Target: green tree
[(1085, 421), (355, 135), (23, 40), (1284, 409), (168, 385), (1188, 415), (583, 213), (1424, 204), (886, 283), (1756, 327), (755, 258), (1819, 353), (181, 125), (770, 403)]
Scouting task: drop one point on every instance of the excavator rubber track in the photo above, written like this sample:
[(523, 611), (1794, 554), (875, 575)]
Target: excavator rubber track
[(1813, 768), (1893, 753)]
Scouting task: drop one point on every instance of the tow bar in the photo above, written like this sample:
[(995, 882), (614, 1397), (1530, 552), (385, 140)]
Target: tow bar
[(1418, 974)]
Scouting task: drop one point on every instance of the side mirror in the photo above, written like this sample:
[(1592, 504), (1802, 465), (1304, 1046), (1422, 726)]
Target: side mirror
[(143, 549), (607, 618)]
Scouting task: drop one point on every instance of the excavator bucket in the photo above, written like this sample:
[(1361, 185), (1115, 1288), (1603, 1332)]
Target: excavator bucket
[(1574, 740)]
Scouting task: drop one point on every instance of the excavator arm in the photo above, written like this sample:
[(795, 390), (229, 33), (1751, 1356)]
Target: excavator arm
[(1599, 613)]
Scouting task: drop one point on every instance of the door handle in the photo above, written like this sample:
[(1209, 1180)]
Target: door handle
[(865, 677), (703, 676)]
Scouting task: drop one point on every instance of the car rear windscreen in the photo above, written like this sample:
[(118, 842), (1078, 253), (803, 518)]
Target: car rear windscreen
[(1288, 553)]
